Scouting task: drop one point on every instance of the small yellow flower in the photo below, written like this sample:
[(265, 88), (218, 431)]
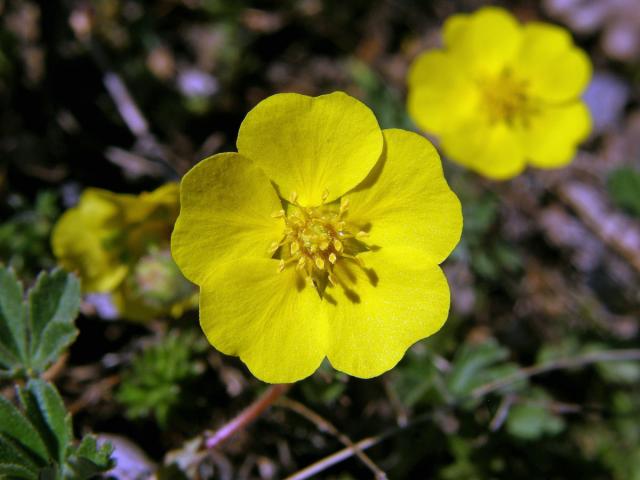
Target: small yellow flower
[(501, 94), (321, 237), (118, 243)]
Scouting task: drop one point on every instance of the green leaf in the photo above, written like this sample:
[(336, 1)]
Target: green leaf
[(158, 377), (13, 337), (33, 336), (533, 420), (37, 441), (89, 460), (14, 425), (47, 412), (476, 364), (53, 306), (12, 470), (11, 453), (624, 188)]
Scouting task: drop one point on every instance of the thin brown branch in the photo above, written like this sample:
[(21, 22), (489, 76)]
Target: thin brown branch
[(325, 426), (558, 364), (616, 230), (248, 415), (346, 453), (335, 458), (502, 413)]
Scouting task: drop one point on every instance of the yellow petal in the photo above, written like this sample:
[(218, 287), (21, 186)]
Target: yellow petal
[(552, 137), (404, 298), (406, 200), (555, 70), (80, 241), (494, 151), (454, 28), (226, 212), (441, 94), (311, 146), (485, 42), (273, 321)]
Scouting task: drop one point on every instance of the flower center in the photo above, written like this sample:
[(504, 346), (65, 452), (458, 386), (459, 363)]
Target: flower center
[(315, 238), (507, 99)]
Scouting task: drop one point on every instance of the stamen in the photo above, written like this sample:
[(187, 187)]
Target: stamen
[(316, 238), (273, 247)]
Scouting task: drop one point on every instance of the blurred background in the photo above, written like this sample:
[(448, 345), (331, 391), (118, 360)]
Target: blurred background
[(126, 95)]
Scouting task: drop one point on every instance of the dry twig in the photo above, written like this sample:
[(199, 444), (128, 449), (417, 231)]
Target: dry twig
[(325, 426), (247, 416)]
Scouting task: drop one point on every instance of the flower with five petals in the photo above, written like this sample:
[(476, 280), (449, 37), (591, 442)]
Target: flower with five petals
[(501, 94), (320, 238)]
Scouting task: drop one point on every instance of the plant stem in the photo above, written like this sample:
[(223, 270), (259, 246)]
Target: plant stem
[(560, 363), (248, 415), (325, 426)]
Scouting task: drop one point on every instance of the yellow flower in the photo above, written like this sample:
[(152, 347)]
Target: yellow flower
[(501, 94), (340, 259), (118, 243)]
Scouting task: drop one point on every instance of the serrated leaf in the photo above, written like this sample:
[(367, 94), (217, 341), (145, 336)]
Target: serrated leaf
[(33, 336), (56, 337), (100, 456), (13, 338), (14, 425), (12, 454), (53, 305), (46, 411), (89, 460), (12, 470)]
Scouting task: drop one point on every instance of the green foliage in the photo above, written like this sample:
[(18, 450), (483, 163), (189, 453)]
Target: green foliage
[(155, 383), (532, 418), (36, 440), (490, 257), (34, 332), (24, 236), (624, 188), (478, 364)]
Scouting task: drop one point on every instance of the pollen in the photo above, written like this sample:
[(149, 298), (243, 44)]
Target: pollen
[(507, 99), (316, 238)]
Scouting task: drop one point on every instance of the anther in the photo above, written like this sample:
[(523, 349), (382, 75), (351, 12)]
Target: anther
[(319, 263), (293, 197), (295, 246), (362, 234), (333, 258), (344, 205), (325, 195), (278, 214), (337, 244)]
